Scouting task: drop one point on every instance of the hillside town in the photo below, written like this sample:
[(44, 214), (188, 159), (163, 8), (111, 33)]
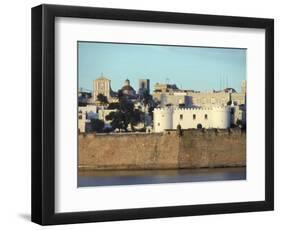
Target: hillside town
[(165, 107)]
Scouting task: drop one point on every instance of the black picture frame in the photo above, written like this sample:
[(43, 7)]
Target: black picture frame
[(43, 114)]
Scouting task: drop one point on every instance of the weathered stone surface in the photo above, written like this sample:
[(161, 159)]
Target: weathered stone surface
[(194, 149), (212, 149)]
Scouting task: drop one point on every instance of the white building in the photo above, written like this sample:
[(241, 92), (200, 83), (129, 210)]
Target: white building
[(171, 95), (90, 111), (85, 115), (162, 119), (173, 99), (191, 118)]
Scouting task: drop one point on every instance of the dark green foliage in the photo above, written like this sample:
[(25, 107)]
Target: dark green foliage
[(120, 95), (97, 125), (113, 105), (116, 119), (102, 99), (125, 114)]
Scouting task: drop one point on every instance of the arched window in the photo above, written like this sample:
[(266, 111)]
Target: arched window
[(206, 116)]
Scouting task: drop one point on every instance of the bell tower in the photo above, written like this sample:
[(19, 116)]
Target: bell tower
[(102, 86), (144, 86)]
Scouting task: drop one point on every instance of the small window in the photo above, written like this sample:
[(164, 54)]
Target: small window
[(80, 117), (181, 116), (206, 116), (194, 116), (158, 124)]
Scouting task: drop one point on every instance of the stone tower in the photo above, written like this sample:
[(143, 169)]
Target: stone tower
[(144, 85), (102, 86)]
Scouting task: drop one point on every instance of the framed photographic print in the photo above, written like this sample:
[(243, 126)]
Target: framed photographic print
[(144, 114)]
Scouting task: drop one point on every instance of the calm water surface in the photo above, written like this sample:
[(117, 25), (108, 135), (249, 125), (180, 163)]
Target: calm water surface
[(128, 177)]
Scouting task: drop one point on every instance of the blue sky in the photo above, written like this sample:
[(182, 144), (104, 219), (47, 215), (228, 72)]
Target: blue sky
[(197, 68)]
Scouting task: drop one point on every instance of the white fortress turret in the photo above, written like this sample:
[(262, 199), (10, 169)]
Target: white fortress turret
[(221, 117), (162, 119), (191, 118)]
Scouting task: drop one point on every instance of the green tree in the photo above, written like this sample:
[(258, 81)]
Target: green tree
[(102, 99), (116, 120), (120, 95), (97, 125), (125, 115), (113, 105)]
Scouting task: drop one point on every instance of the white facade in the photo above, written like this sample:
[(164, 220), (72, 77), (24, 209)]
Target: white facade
[(174, 99), (85, 115), (82, 123), (191, 118), (162, 119), (90, 111)]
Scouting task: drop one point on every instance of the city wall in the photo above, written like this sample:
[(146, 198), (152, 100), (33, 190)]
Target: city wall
[(193, 149)]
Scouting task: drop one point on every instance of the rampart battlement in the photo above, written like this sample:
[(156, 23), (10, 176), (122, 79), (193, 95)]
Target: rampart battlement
[(217, 108)]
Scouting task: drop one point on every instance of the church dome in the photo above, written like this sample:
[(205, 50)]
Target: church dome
[(127, 88)]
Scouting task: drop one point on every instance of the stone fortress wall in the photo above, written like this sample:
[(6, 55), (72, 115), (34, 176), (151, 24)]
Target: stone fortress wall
[(168, 150)]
